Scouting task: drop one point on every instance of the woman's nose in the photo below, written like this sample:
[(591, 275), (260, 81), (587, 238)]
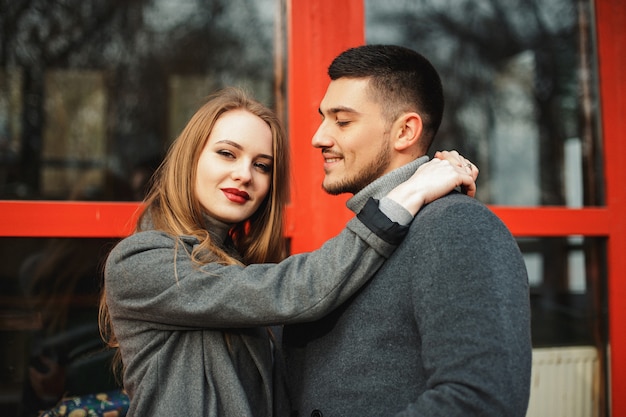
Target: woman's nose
[(242, 172)]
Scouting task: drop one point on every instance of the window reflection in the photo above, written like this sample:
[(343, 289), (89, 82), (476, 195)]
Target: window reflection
[(567, 291), (520, 85), (97, 88), (49, 332)]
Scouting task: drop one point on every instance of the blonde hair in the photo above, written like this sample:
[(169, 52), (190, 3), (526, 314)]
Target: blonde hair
[(171, 204)]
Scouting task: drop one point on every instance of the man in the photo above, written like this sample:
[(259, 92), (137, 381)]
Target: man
[(443, 328)]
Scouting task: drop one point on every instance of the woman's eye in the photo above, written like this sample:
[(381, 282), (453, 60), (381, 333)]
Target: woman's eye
[(263, 167), (225, 153), (343, 123)]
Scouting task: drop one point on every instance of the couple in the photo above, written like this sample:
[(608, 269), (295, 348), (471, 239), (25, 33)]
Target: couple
[(400, 314)]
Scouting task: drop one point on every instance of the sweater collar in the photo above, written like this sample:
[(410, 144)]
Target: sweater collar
[(380, 187), (217, 229)]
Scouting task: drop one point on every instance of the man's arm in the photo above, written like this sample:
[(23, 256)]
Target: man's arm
[(472, 310)]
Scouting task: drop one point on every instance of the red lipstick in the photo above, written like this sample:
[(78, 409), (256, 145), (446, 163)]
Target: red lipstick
[(235, 195)]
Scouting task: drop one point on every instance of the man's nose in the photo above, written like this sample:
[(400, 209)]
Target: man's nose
[(321, 138)]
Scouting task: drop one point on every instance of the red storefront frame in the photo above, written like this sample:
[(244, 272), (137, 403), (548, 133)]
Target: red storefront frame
[(317, 31)]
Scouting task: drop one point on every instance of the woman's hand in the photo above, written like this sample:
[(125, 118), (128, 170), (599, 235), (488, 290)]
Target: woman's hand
[(457, 159), (435, 179)]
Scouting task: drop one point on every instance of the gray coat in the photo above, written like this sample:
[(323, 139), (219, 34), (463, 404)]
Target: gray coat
[(171, 321), (441, 330)]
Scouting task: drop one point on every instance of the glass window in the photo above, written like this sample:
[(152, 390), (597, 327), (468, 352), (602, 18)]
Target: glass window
[(567, 290), (92, 93), (520, 86), (50, 343)]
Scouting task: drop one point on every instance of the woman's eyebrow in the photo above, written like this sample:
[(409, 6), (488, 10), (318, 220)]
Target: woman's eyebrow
[(230, 142), (238, 146)]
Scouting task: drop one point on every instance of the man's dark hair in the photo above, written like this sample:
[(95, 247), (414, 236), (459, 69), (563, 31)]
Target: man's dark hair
[(401, 80)]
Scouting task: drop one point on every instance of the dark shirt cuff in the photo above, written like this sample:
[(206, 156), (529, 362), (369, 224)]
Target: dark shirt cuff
[(389, 231)]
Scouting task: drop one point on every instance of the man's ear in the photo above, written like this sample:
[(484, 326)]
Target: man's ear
[(409, 129)]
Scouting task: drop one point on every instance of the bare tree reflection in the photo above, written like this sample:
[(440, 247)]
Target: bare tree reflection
[(138, 45)]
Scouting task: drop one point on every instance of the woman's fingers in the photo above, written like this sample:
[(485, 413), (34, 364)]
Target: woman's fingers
[(464, 164)]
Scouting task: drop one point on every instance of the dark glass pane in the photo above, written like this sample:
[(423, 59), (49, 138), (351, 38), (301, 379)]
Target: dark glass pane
[(520, 86), (567, 290), (92, 92), (50, 343)]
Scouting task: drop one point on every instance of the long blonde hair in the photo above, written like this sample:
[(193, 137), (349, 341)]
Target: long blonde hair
[(171, 204)]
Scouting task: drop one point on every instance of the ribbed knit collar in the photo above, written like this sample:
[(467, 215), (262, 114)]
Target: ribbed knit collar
[(220, 237), (218, 230), (380, 187)]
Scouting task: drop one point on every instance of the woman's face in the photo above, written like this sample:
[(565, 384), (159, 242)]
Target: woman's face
[(235, 167)]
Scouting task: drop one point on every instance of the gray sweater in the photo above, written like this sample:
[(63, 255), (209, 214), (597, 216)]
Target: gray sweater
[(441, 330), (189, 337)]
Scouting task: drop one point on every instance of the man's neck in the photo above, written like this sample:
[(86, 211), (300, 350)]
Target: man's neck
[(380, 187)]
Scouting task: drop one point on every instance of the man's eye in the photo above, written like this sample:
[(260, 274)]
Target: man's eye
[(343, 123)]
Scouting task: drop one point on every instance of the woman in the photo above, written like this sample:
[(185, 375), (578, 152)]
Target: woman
[(186, 313)]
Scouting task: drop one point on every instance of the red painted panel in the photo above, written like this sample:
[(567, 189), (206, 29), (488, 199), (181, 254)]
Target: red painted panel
[(66, 219), (70, 219), (611, 35), (317, 32), (89, 219), (554, 221)]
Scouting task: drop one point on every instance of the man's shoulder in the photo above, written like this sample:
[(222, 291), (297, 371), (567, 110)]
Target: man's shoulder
[(458, 213), (454, 203)]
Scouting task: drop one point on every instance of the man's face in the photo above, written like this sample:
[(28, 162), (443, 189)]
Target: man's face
[(353, 137)]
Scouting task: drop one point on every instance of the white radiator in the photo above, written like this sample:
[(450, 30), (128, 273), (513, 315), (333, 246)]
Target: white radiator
[(564, 382)]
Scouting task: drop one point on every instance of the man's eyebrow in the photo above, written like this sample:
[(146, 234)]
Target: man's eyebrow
[(338, 109)]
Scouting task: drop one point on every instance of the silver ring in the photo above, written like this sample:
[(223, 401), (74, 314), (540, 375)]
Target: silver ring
[(469, 165)]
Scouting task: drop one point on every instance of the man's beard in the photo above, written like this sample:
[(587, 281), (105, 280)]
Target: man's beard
[(355, 183)]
